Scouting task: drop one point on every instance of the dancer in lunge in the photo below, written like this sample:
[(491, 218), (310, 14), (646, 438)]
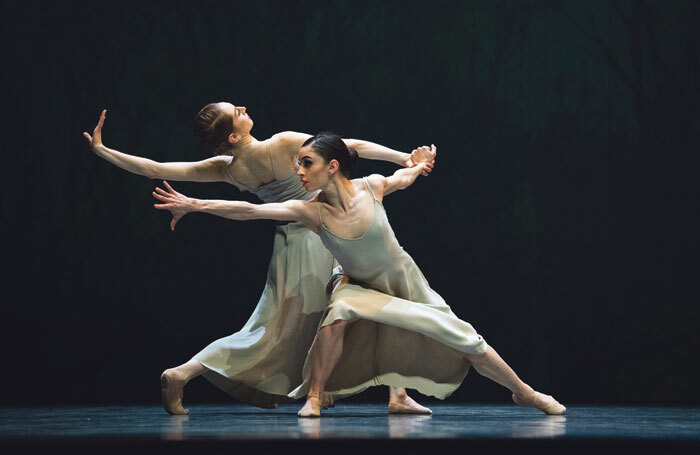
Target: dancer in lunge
[(261, 363), (384, 325)]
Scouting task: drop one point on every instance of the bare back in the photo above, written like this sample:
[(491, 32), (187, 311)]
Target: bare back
[(261, 163)]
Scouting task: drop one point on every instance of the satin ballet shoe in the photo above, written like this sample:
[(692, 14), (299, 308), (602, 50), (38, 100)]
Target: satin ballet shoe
[(312, 407), (171, 390), (545, 403), (408, 406)]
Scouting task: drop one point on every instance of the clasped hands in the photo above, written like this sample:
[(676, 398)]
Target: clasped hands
[(425, 155)]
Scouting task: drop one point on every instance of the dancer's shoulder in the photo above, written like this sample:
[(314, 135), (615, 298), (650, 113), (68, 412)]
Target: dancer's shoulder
[(288, 142), (376, 181)]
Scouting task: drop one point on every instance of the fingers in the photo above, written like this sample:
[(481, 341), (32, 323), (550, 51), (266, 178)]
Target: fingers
[(173, 223), (170, 189), (429, 165), (87, 136), (160, 197), (163, 192), (101, 121)]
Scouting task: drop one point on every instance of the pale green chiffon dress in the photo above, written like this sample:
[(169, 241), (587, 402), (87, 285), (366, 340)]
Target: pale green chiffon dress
[(407, 336), (262, 363)]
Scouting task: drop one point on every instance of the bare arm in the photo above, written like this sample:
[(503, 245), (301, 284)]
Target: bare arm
[(401, 179), (372, 151), (211, 170), (290, 142), (180, 205)]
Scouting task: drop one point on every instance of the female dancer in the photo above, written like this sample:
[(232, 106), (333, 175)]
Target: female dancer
[(385, 325), (262, 362)]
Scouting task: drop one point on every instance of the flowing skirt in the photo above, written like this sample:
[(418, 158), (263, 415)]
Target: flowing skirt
[(396, 342), (263, 362)]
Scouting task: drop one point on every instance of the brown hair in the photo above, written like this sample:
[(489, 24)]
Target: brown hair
[(212, 128)]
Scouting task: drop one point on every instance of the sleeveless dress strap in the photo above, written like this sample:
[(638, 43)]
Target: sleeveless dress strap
[(369, 187)]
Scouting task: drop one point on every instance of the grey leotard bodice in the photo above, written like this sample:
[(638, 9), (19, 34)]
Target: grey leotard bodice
[(376, 258), (282, 190)]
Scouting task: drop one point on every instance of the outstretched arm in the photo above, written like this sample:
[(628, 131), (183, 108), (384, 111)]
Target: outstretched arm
[(372, 151), (291, 142), (211, 170), (180, 205), (403, 178)]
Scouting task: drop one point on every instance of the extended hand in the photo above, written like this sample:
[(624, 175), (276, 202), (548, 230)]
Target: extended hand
[(178, 204), (96, 138), (425, 155)]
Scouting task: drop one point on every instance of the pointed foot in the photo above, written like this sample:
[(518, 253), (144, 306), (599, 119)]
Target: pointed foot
[(171, 391), (545, 403)]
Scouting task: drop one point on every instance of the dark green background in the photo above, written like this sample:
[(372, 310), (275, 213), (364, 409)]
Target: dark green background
[(561, 220)]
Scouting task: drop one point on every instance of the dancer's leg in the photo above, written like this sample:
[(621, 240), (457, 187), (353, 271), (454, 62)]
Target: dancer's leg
[(492, 366), (401, 403), (328, 348), (327, 351), (172, 382)]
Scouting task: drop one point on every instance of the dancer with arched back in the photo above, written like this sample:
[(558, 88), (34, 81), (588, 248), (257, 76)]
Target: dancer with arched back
[(261, 363), (384, 325)]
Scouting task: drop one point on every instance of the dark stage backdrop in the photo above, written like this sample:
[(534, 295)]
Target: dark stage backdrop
[(561, 220)]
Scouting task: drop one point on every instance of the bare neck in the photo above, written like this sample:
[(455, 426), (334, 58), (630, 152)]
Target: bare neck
[(338, 192), (245, 145)]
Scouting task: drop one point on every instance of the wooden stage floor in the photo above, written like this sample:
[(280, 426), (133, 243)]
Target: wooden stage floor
[(359, 428)]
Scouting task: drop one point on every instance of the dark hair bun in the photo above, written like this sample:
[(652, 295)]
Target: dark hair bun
[(332, 147)]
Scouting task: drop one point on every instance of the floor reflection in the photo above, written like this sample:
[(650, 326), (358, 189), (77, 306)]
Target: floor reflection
[(545, 427), (352, 421), (310, 427), (173, 428), (401, 426)]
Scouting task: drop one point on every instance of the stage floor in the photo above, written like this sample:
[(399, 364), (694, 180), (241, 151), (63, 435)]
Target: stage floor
[(353, 423)]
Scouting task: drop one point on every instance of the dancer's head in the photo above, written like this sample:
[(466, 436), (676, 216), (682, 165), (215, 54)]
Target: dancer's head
[(322, 158), (219, 127)]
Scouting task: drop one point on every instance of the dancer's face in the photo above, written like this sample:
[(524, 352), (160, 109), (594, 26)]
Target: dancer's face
[(313, 171), (242, 123)]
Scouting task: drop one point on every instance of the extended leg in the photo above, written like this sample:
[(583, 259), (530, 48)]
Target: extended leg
[(491, 365), (172, 382)]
